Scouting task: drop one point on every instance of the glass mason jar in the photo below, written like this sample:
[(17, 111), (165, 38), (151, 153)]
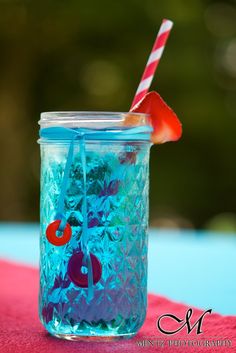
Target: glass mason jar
[(93, 223)]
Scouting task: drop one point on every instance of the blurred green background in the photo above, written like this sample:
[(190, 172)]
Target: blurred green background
[(77, 55)]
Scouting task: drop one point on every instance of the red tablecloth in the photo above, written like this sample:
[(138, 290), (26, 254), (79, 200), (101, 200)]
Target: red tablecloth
[(21, 331)]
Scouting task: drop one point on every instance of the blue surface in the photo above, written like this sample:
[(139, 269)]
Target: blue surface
[(196, 268)]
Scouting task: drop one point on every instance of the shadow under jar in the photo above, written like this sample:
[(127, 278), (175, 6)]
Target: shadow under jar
[(93, 223)]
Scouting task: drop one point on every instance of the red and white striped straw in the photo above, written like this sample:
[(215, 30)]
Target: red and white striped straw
[(153, 61)]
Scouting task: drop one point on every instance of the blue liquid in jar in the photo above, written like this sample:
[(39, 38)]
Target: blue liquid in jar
[(116, 191)]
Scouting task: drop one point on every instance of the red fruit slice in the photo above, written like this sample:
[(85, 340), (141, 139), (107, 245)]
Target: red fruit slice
[(166, 125)]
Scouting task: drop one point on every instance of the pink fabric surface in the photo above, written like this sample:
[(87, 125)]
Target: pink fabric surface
[(22, 332)]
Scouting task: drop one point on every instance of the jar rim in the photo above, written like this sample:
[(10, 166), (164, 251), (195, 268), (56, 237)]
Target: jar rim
[(83, 118)]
